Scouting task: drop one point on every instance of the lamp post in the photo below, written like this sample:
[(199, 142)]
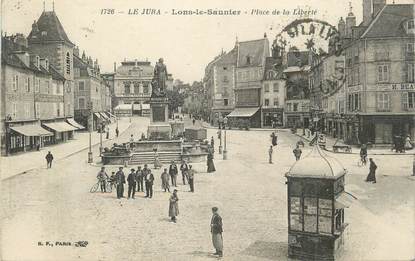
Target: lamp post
[(220, 140), (90, 132)]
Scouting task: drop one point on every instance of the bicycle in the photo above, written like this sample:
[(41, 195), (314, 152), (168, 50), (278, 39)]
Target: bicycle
[(108, 186), (362, 161)]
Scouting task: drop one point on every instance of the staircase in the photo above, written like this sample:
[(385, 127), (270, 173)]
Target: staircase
[(140, 158)]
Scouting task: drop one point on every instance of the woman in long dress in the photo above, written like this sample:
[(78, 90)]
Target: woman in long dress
[(157, 163), (210, 164), (174, 206)]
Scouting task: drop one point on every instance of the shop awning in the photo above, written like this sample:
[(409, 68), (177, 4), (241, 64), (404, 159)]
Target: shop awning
[(110, 114), (243, 112), (60, 126), (75, 124), (98, 115), (123, 107), (344, 200), (104, 116), (31, 130)]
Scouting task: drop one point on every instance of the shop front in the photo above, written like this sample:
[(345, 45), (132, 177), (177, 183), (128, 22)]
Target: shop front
[(272, 117), (62, 131), (245, 117), (25, 136), (297, 120)]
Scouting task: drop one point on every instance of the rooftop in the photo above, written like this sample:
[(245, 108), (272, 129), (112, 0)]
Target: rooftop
[(252, 53)]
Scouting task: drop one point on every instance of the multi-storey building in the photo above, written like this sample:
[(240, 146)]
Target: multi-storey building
[(297, 113), (132, 87), (219, 83), (91, 92), (273, 93), (33, 99), (380, 74), (251, 56)]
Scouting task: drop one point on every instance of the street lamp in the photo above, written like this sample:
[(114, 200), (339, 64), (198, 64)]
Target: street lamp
[(220, 140), (90, 131)]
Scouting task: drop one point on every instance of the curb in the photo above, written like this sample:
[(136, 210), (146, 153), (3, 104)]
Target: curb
[(65, 157), (369, 153)]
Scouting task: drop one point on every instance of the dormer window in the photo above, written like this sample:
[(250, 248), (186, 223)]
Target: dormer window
[(410, 29), (411, 24)]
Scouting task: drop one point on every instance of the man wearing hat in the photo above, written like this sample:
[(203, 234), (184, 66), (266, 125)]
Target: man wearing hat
[(131, 183), (120, 180), (149, 184), (216, 230), (140, 179)]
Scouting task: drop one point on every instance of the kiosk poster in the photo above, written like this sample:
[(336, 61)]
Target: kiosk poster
[(168, 130)]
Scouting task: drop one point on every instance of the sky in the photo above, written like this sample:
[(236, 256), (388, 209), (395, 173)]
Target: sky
[(186, 42)]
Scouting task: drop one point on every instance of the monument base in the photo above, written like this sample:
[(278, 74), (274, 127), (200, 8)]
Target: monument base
[(159, 131)]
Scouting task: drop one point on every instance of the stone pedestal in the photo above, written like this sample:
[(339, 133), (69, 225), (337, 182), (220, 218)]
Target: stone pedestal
[(159, 110), (159, 128)]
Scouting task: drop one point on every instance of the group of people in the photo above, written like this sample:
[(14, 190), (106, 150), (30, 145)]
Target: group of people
[(402, 143)]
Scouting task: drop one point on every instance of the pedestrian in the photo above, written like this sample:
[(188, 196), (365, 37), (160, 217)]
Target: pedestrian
[(102, 178), (174, 206), (274, 139), (139, 176), (49, 159), (149, 184), (144, 174), (117, 132), (107, 131), (371, 177), (184, 168), (194, 121), (210, 164), (173, 173), (157, 163), (165, 181), (131, 179), (216, 228), (270, 151), (363, 154), (120, 180), (191, 176), (408, 142), (212, 143), (297, 153)]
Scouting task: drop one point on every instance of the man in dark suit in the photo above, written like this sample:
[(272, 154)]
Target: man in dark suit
[(140, 179), (216, 230), (131, 179), (173, 173), (184, 169), (49, 159), (149, 184), (120, 181)]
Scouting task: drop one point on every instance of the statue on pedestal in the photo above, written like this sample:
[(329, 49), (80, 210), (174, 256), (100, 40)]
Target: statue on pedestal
[(159, 79)]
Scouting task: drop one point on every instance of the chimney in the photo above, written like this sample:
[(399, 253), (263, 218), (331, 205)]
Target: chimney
[(76, 51), (377, 6), (367, 12), (350, 22), (21, 40)]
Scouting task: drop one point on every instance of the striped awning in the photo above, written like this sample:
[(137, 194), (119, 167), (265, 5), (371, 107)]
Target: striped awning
[(31, 130), (243, 112), (104, 116), (75, 124), (60, 126)]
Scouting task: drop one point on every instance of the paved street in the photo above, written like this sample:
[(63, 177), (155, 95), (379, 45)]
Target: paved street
[(55, 205)]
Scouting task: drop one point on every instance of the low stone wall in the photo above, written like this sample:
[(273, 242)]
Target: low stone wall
[(115, 160), (161, 145)]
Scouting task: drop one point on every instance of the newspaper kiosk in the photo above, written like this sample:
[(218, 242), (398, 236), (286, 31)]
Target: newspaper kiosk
[(316, 202)]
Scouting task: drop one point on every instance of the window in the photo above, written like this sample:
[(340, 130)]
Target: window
[(408, 100), (275, 87), (276, 103), (37, 108), (14, 111), (383, 101), (47, 87), (354, 101), (411, 25), (266, 102), (383, 73), (68, 63), (295, 106), (27, 110), (81, 86), (410, 75), (266, 87), (81, 103), (15, 85), (225, 78), (225, 102), (27, 84), (225, 68), (145, 89), (410, 47), (270, 74), (127, 89), (136, 88), (37, 84)]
